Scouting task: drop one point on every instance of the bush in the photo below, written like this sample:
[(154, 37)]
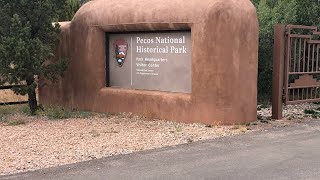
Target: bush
[(69, 9), (269, 14), (62, 113)]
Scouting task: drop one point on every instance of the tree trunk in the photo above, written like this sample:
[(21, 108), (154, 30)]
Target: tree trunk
[(32, 98)]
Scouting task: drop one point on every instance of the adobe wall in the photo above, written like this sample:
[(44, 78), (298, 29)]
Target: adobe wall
[(224, 60)]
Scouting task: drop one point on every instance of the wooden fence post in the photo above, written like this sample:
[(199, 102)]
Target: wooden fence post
[(278, 70)]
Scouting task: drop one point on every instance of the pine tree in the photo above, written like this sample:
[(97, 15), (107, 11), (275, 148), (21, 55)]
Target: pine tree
[(69, 8), (28, 39)]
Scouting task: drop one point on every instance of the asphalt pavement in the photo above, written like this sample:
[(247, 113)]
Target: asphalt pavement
[(286, 153)]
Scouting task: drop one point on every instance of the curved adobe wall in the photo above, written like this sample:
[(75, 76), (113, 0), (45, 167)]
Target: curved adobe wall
[(224, 60)]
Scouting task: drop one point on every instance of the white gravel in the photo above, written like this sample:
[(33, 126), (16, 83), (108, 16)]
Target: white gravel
[(42, 143), (290, 112)]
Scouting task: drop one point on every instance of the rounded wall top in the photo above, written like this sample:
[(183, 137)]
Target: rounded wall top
[(114, 12)]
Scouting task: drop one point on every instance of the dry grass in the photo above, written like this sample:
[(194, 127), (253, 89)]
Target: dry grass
[(9, 96)]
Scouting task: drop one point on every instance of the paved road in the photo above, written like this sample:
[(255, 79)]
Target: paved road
[(288, 153)]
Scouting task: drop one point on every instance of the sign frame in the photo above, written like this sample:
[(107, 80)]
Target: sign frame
[(107, 49)]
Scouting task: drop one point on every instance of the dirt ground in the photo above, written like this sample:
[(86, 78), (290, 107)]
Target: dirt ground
[(9, 96), (30, 143)]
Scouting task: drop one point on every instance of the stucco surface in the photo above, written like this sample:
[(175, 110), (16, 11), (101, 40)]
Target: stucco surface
[(224, 59)]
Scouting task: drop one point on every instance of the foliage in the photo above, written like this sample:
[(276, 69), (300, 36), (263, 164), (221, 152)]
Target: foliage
[(69, 9), (28, 39), (309, 111), (308, 12), (271, 12), (314, 113), (62, 113)]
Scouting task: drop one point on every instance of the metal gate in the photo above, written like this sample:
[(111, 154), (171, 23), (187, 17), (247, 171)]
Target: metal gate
[(296, 66)]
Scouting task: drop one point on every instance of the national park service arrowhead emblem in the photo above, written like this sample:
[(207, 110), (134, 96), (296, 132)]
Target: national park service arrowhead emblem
[(121, 48)]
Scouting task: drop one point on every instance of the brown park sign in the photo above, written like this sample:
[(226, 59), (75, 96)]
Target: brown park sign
[(196, 63), (150, 61)]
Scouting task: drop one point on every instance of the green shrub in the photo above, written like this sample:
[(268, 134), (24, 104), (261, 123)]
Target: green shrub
[(310, 111), (63, 113), (270, 13), (57, 113), (68, 8)]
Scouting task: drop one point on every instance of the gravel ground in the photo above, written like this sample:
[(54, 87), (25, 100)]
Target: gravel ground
[(290, 112), (46, 143), (35, 143)]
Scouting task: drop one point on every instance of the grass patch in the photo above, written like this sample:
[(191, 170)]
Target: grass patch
[(16, 123), (26, 110), (13, 109), (62, 113), (50, 112), (57, 113)]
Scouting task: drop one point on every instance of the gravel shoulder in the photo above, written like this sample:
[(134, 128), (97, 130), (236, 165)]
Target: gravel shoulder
[(38, 142)]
